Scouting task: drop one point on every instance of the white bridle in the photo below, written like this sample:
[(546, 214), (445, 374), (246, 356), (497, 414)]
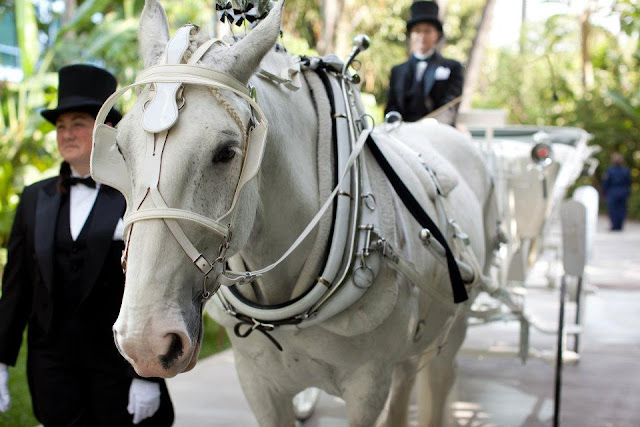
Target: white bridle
[(161, 113)]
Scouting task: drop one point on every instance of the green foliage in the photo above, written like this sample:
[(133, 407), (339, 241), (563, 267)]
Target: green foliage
[(26, 147), (526, 84), (214, 340), (629, 16)]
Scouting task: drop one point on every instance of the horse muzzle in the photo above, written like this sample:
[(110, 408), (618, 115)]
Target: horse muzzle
[(156, 352)]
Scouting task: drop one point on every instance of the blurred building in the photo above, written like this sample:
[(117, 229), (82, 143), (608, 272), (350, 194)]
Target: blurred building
[(10, 69)]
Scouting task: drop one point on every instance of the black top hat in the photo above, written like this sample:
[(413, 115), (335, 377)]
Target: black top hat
[(83, 88), (424, 11)]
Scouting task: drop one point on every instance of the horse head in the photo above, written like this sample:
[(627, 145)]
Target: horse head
[(190, 170)]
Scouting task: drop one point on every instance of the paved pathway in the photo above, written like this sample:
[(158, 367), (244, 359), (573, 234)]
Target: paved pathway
[(602, 390)]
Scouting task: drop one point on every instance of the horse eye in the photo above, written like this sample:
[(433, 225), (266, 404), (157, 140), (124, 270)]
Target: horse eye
[(224, 155)]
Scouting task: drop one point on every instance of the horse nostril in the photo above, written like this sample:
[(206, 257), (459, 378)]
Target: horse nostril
[(174, 352)]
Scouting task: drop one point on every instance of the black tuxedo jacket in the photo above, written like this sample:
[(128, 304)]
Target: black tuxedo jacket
[(75, 342), (28, 279), (436, 91)]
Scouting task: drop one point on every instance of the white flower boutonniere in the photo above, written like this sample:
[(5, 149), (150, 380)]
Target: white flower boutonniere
[(442, 73)]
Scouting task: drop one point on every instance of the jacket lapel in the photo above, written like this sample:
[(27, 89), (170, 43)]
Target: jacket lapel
[(47, 209), (406, 80), (430, 73), (107, 210)]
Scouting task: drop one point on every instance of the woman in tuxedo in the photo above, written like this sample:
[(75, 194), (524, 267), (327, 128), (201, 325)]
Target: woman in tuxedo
[(64, 280)]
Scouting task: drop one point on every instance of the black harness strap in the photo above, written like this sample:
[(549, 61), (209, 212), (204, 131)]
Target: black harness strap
[(457, 285), (251, 325)]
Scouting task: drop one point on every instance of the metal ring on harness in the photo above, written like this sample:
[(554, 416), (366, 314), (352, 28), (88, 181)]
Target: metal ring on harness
[(389, 123), (369, 201), (363, 276)]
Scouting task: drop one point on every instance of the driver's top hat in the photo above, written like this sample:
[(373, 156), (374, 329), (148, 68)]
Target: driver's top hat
[(424, 11), (83, 88)]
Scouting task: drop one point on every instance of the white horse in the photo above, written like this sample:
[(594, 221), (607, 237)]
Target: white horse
[(370, 353)]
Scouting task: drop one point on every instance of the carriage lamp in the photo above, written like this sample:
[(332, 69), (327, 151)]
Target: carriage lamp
[(541, 154)]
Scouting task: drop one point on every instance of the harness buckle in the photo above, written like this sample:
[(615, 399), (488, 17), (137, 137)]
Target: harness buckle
[(368, 229), (458, 233), (265, 326), (241, 279), (204, 265), (387, 250)]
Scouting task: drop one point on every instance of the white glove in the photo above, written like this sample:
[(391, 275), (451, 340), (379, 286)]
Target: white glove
[(5, 399), (144, 399)]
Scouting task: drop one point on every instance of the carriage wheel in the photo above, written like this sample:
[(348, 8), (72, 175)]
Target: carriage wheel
[(304, 403)]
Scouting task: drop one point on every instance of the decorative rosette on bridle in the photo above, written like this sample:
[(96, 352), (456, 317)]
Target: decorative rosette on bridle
[(243, 12), (225, 12)]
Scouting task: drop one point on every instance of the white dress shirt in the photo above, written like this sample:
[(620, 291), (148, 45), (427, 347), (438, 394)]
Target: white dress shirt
[(81, 200), (421, 67)]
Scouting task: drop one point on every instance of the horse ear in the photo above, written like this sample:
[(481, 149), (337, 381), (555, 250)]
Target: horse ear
[(243, 58), (153, 32)]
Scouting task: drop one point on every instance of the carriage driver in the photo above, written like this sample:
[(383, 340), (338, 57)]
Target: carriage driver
[(427, 81), (63, 278)]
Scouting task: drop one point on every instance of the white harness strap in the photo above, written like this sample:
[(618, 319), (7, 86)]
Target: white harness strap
[(204, 48)]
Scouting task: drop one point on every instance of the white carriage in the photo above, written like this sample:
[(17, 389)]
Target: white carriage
[(534, 167)]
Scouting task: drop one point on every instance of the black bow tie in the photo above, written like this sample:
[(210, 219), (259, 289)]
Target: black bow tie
[(88, 181)]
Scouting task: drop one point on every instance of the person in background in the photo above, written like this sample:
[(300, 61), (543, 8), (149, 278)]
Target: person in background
[(616, 188), (427, 81), (64, 280)]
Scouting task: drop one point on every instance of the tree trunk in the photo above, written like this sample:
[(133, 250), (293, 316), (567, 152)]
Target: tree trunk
[(67, 16), (69, 11), (476, 55), (523, 27), (587, 68), (331, 12), (443, 8)]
